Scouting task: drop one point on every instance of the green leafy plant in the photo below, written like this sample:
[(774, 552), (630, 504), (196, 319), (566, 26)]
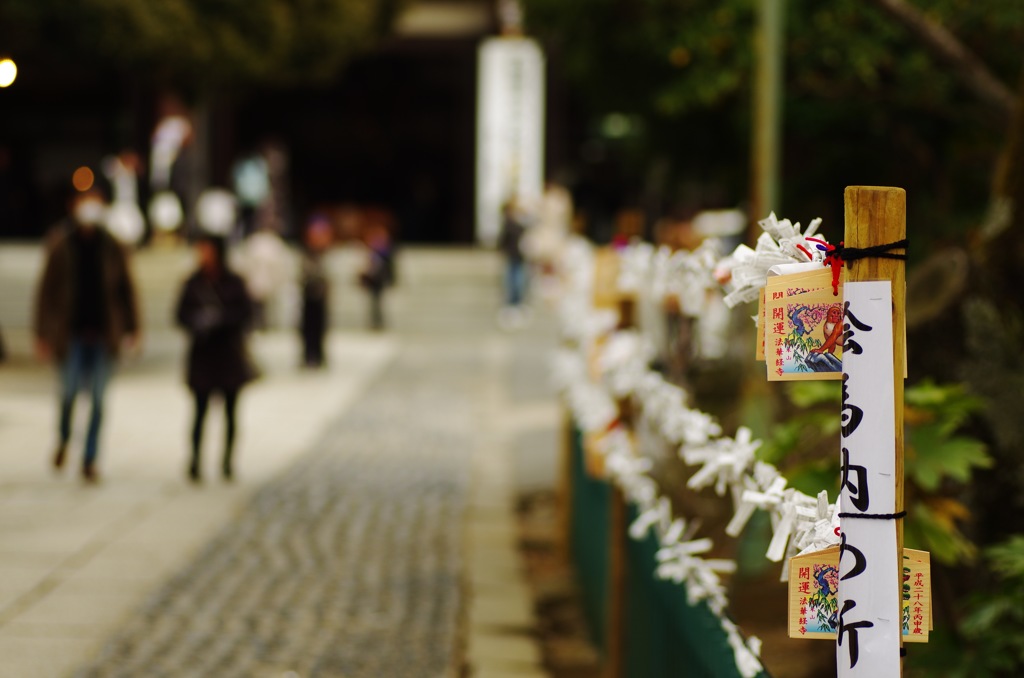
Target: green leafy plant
[(937, 461), (989, 640), (804, 445), (802, 346)]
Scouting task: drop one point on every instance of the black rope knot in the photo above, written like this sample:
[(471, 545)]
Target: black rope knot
[(849, 254)]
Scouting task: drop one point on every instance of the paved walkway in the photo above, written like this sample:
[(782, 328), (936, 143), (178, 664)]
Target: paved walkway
[(371, 533)]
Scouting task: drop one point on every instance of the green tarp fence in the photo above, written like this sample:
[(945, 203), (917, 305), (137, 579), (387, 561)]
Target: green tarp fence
[(666, 637)]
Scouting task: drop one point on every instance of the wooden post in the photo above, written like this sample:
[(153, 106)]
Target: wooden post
[(769, 88), (564, 496), (615, 656), (618, 525), (608, 296), (878, 216)]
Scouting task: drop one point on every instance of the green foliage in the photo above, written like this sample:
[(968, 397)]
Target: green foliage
[(933, 451), (1007, 560), (948, 405), (932, 525), (936, 457), (672, 56), (810, 393), (664, 57), (803, 446), (802, 345), (824, 599), (864, 102), (933, 456), (937, 462), (989, 642)]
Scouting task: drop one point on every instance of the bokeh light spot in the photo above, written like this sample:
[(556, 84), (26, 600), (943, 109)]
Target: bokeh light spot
[(8, 72), (82, 179)]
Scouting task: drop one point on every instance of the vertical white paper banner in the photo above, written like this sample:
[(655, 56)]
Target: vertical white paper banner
[(510, 129), (869, 603)]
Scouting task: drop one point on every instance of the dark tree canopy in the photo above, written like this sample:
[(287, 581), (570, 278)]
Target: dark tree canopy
[(213, 41), (865, 100)]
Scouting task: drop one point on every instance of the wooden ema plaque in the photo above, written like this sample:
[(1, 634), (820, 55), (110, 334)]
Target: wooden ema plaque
[(814, 588)]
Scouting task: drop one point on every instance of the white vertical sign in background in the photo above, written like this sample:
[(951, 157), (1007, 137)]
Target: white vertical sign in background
[(869, 602), (510, 129)]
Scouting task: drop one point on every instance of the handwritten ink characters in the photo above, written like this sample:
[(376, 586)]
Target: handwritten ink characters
[(868, 634), (852, 629), (857, 492), (859, 488), (851, 414), (848, 342)]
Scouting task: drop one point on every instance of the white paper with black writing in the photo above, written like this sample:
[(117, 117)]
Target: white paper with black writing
[(869, 614)]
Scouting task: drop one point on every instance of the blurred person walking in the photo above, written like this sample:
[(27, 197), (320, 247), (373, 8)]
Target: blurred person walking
[(545, 240), (85, 310), (264, 265), (315, 286), (216, 311), (251, 178), (510, 242), (379, 273)]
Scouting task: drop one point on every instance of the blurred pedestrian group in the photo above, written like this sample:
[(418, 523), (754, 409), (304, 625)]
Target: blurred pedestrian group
[(86, 313)]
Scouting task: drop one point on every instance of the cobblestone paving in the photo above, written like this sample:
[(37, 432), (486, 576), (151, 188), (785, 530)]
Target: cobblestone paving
[(349, 564)]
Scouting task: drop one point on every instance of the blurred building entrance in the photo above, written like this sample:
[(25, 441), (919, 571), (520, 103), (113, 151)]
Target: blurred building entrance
[(396, 131)]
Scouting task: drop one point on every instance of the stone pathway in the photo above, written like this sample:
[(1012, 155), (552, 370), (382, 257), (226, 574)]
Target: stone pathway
[(371, 531), (349, 564)]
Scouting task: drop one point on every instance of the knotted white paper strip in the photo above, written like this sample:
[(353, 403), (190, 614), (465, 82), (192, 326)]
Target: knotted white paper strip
[(779, 244), (724, 461)]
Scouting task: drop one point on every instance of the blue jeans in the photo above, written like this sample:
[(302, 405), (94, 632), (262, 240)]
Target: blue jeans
[(515, 282), (86, 363)]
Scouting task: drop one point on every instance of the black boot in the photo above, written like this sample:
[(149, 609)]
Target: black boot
[(60, 455), (193, 470), (228, 474)]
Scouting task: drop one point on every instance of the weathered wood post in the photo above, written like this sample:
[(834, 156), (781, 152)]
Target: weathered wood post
[(607, 295), (876, 218), (564, 494), (615, 650), (618, 532)]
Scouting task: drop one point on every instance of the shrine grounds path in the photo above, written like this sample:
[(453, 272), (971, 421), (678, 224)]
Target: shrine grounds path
[(371, 529)]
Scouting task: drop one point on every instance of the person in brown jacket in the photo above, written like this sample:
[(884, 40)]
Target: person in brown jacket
[(85, 311)]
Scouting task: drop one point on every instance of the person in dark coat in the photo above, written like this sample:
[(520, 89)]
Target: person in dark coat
[(85, 311), (510, 242), (315, 287), (379, 273), (216, 311)]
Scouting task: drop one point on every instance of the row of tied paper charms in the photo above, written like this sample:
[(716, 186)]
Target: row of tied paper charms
[(800, 523)]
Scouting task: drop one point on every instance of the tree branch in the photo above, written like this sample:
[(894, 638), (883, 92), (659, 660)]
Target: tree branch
[(947, 48)]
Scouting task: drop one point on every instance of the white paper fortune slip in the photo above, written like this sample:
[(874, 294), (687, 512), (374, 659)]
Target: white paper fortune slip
[(869, 616)]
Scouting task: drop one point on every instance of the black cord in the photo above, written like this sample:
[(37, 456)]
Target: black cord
[(875, 251), (875, 516)]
